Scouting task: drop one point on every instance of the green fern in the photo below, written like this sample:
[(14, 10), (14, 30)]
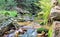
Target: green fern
[(50, 33), (45, 5)]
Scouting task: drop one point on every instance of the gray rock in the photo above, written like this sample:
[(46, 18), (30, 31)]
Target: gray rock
[(55, 13), (56, 29)]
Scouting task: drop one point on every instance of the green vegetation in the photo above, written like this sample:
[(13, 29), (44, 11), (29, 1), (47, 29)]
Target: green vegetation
[(59, 1), (10, 13), (29, 6), (45, 5), (37, 10), (50, 33), (7, 4), (39, 30)]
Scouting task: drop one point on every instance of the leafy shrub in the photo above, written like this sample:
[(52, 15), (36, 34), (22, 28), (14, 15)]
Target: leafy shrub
[(39, 30), (41, 23), (9, 13)]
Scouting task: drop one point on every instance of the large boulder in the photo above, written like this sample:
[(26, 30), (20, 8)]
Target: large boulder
[(5, 26), (56, 29), (55, 13)]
